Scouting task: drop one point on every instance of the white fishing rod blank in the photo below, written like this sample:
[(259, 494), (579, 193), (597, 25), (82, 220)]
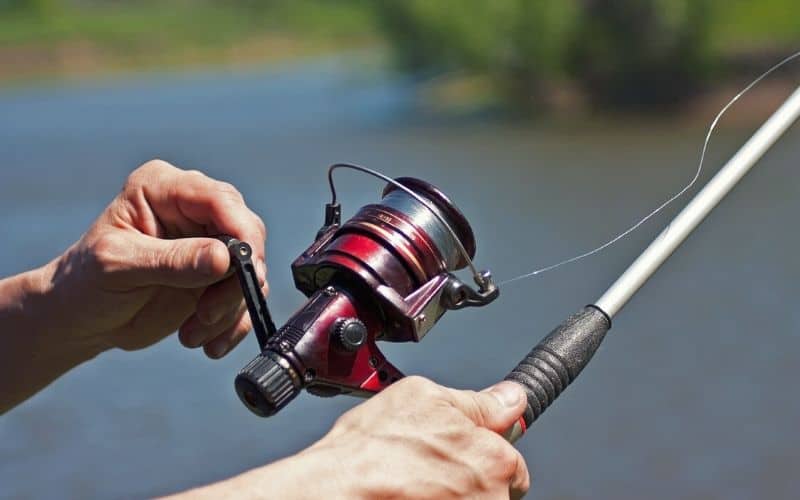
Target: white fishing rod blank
[(558, 359), (701, 205)]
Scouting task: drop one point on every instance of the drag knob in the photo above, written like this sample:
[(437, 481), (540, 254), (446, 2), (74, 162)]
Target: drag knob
[(267, 384), (351, 333)]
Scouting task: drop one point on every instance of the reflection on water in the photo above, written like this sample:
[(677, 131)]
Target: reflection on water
[(691, 396)]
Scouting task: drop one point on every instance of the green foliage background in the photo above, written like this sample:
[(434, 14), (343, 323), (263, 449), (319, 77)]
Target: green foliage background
[(619, 53)]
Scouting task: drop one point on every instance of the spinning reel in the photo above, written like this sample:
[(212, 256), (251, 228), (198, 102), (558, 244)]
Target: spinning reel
[(385, 274)]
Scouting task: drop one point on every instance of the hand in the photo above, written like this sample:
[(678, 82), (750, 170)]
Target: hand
[(414, 440), (417, 439), (147, 266)]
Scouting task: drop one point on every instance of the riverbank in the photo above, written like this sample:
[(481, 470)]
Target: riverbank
[(52, 39), (86, 41), (470, 98), (73, 41), (83, 60)]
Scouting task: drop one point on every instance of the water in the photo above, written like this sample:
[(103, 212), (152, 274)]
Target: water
[(691, 396)]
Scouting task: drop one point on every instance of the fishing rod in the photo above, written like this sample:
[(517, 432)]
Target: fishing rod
[(386, 274), (558, 359)]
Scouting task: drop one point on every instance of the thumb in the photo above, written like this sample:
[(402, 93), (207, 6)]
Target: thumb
[(179, 263), (496, 408)]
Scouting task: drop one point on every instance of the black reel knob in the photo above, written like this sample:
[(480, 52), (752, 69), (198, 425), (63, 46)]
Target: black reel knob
[(351, 333), (267, 384)]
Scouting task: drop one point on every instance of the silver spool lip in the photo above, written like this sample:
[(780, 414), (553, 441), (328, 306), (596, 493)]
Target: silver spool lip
[(450, 212)]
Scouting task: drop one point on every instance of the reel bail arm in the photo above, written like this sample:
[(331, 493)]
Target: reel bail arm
[(459, 294)]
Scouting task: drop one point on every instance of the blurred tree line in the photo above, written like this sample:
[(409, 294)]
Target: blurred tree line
[(43, 38), (37, 7), (621, 54)]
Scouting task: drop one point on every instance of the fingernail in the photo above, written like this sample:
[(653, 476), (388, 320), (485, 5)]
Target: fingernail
[(508, 393), (192, 339), (217, 350)]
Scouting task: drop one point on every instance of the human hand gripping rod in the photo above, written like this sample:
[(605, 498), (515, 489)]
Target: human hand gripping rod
[(558, 359)]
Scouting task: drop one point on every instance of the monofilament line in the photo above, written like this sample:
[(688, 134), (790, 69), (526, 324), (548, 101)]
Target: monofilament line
[(674, 197)]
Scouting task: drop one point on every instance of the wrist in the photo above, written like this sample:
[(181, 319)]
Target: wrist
[(33, 354), (312, 473), (22, 299), (33, 319), (50, 310)]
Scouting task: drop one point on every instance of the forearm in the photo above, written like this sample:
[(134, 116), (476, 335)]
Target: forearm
[(313, 473), (413, 440), (36, 349)]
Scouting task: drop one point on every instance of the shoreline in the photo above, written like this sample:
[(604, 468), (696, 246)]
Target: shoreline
[(77, 62), (82, 60)]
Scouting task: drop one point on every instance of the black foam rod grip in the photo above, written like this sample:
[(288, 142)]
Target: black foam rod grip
[(558, 359)]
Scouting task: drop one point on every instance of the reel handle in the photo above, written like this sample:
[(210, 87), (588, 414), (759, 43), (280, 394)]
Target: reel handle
[(240, 254), (556, 361)]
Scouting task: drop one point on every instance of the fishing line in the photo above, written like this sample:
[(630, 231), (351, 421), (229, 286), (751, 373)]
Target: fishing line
[(674, 197)]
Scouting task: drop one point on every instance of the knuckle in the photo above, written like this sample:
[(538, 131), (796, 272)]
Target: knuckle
[(525, 482), (475, 409), (155, 165), (183, 256), (419, 386), (106, 253), (509, 458), (456, 435), (521, 476), (145, 173), (478, 481), (195, 178), (262, 228), (504, 456), (133, 182), (229, 191), (347, 421), (471, 406), (473, 478)]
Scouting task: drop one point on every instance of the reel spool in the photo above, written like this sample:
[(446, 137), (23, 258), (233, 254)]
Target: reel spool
[(385, 274)]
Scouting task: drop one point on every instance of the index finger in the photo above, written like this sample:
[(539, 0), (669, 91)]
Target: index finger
[(189, 203)]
